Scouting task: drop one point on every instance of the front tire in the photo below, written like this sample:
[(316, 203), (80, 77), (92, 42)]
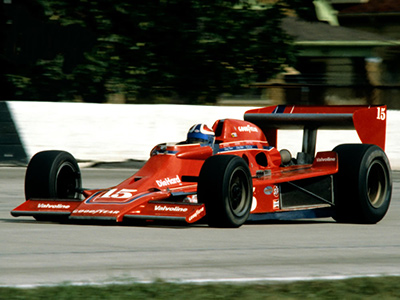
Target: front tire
[(53, 175), (363, 185), (225, 187)]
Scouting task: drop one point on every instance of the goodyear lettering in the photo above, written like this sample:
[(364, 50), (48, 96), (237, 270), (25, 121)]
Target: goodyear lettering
[(196, 213), (96, 211), (247, 128), (168, 181)]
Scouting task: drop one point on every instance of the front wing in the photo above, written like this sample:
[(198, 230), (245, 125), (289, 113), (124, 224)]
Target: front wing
[(66, 209)]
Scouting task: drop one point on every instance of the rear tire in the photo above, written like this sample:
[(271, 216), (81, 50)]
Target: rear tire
[(225, 187), (363, 185), (53, 175)]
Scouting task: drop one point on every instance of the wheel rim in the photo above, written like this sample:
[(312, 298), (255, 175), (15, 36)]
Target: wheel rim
[(238, 193), (67, 182), (377, 180)]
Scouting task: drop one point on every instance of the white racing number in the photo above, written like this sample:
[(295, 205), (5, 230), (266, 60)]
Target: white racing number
[(381, 113), (121, 194)]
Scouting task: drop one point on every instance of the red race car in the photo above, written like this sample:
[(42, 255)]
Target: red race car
[(232, 174)]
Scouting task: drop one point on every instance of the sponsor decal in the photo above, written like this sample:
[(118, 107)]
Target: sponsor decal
[(275, 204), (234, 134), (235, 148), (268, 190), (254, 202), (168, 181), (53, 206), (323, 159), (247, 128), (276, 191), (170, 208), (96, 211), (196, 213)]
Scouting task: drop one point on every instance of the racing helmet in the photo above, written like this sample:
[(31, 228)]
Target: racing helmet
[(200, 133)]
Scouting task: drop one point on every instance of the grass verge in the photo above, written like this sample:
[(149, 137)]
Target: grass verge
[(357, 288)]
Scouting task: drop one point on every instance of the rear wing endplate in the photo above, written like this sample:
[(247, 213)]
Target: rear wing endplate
[(369, 122)]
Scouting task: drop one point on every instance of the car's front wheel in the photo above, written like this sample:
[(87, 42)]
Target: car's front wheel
[(225, 187), (53, 175)]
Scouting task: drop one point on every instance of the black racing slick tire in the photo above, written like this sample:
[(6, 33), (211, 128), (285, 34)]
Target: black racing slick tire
[(53, 175), (225, 187), (363, 185)]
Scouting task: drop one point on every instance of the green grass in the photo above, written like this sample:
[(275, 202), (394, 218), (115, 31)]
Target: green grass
[(358, 288)]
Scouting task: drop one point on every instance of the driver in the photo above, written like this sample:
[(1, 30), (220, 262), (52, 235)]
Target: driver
[(200, 133)]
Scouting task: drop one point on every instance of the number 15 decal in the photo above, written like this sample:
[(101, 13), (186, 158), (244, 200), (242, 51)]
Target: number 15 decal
[(121, 194), (381, 113)]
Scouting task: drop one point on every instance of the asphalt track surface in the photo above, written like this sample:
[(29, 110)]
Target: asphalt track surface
[(40, 253)]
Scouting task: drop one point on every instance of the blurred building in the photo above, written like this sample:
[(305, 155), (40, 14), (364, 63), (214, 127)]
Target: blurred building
[(350, 56)]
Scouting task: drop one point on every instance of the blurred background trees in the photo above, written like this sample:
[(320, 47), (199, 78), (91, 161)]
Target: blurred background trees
[(142, 51)]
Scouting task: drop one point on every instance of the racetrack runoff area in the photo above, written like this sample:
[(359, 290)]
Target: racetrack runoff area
[(120, 132), (45, 254)]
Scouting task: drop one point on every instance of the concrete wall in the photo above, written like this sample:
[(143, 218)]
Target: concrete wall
[(114, 132)]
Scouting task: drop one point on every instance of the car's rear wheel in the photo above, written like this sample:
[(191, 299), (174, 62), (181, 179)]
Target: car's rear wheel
[(363, 185), (53, 175), (226, 188)]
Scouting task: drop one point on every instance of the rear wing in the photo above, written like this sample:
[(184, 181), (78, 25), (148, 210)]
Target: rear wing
[(369, 122)]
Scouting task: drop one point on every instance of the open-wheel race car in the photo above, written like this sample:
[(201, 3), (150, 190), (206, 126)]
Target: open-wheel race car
[(232, 173)]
